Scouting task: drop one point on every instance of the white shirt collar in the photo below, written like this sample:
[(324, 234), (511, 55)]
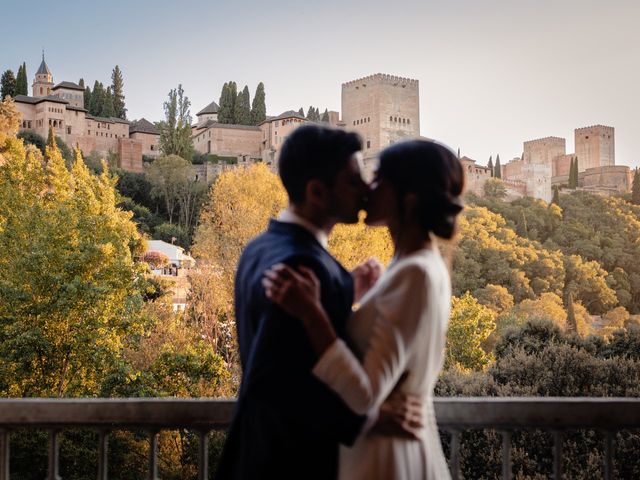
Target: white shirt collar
[(288, 216)]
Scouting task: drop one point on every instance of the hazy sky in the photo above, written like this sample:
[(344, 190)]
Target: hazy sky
[(493, 73)]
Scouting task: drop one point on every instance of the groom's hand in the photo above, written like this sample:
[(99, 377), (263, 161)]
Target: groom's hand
[(400, 416), (365, 276)]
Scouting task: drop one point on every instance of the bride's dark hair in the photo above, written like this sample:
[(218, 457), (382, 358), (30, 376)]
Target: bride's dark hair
[(434, 174)]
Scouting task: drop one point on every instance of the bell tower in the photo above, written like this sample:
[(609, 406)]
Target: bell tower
[(43, 83)]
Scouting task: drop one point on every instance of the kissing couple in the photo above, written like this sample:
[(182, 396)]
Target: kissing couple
[(330, 391)]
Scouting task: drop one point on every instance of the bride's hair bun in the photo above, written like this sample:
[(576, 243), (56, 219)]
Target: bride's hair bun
[(434, 174)]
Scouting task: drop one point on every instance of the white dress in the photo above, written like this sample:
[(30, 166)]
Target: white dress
[(400, 327)]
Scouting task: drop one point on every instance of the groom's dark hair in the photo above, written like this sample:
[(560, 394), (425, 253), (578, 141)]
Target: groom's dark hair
[(314, 152)]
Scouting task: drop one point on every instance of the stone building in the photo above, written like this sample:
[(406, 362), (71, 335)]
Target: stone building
[(546, 164), (61, 107), (475, 175), (383, 109)]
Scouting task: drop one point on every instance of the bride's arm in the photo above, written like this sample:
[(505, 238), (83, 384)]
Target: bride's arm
[(363, 385)]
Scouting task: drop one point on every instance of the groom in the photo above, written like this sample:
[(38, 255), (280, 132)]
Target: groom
[(288, 424)]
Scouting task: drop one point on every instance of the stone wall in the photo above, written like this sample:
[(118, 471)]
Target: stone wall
[(543, 150), (149, 142), (229, 140), (129, 155), (617, 177)]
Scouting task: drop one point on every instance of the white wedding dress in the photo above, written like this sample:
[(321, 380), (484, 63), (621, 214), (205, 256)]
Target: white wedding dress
[(400, 327)]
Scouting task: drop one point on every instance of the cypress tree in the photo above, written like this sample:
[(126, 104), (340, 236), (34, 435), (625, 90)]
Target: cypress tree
[(97, 99), (576, 175), (498, 169), (489, 165), (21, 80), (325, 116), (301, 111), (310, 113), (87, 98), (635, 190), (572, 324), (7, 85), (242, 113), (224, 112), (233, 97), (117, 89), (107, 107), (556, 195), (258, 107), (571, 173)]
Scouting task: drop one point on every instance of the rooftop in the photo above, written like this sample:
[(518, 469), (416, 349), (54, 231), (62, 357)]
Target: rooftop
[(43, 69), (211, 108), (36, 100), (143, 126), (283, 115), (68, 85)]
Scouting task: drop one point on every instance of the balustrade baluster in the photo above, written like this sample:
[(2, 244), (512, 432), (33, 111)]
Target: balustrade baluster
[(608, 455), (455, 455), (4, 454), (506, 455), (103, 450), (153, 455), (557, 455), (53, 473), (203, 454)]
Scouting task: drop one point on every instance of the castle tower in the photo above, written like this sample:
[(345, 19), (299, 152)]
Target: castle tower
[(383, 109), (595, 147), (43, 83)]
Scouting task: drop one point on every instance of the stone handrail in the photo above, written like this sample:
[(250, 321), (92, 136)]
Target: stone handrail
[(202, 415)]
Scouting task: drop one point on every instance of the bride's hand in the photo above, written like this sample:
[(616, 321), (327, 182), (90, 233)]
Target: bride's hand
[(296, 292)]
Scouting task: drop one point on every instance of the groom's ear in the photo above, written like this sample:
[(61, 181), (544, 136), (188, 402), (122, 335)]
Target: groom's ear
[(316, 192)]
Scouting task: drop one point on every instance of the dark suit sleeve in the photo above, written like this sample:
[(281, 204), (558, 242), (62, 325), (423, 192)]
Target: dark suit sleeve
[(279, 371)]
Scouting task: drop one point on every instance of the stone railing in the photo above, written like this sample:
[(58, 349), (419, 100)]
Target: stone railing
[(203, 415)]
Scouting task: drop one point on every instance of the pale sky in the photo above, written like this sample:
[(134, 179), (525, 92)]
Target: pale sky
[(493, 73)]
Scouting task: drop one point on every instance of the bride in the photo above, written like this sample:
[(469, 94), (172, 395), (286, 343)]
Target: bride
[(399, 329)]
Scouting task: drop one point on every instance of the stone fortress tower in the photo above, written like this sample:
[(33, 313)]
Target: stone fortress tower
[(383, 109), (43, 81), (545, 164), (595, 147)]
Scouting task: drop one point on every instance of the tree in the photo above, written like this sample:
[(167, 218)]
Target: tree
[(117, 89), (242, 109), (7, 85), (490, 165), (107, 107), (228, 98), (258, 107), (498, 168), (87, 98), (572, 323), (311, 112), (635, 189), (301, 111), (495, 297), (167, 175), (547, 307), (325, 116), (22, 85), (68, 277), (494, 189), (175, 129), (556, 195), (470, 325), (97, 99)]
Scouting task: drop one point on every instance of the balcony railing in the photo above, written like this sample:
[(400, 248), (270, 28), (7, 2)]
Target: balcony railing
[(454, 415)]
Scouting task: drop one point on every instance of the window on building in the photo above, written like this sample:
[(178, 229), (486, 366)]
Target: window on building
[(369, 119), (68, 130), (368, 143), (153, 147), (391, 119), (408, 121)]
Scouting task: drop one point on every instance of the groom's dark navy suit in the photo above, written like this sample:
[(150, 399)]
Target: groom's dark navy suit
[(287, 424)]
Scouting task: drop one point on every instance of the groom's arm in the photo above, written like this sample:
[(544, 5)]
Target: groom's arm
[(279, 372)]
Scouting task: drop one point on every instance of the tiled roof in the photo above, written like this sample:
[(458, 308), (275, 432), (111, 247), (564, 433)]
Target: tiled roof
[(73, 107), (212, 124), (283, 115), (108, 119), (36, 100), (143, 126), (43, 70), (211, 108), (68, 85)]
